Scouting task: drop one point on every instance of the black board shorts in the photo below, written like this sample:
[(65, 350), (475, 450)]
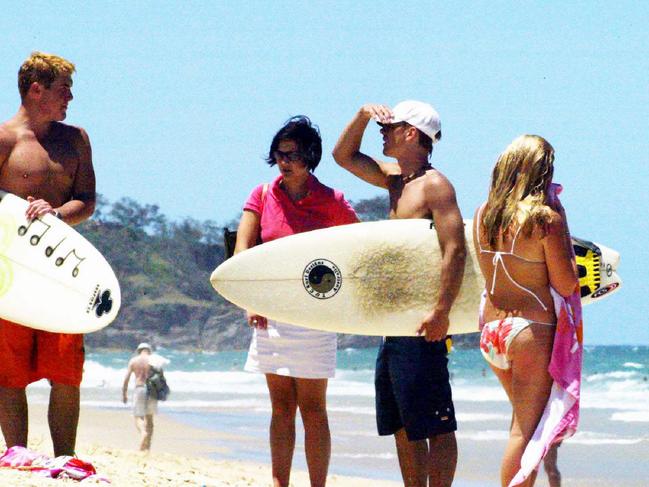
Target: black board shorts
[(413, 389)]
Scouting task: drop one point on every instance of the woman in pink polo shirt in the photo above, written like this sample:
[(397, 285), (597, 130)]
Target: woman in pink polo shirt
[(297, 362)]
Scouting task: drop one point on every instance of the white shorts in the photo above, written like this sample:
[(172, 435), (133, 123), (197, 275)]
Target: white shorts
[(142, 405), (292, 351)]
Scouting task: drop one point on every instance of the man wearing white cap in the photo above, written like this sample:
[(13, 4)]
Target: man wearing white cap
[(413, 393), (144, 407)]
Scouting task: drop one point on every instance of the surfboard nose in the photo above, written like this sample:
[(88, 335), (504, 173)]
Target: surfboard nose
[(221, 274), (214, 278)]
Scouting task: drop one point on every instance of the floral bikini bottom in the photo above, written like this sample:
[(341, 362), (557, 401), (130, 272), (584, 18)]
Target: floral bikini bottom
[(497, 337)]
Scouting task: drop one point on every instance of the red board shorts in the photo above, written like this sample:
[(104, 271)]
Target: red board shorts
[(28, 355)]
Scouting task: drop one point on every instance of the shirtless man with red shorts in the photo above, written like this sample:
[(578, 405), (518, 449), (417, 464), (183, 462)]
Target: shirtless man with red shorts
[(49, 164)]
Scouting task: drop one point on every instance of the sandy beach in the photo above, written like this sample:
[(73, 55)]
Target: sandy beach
[(214, 429), (179, 455), (184, 455)]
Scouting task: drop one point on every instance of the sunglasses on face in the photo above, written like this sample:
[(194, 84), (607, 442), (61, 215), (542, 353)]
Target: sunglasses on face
[(391, 126), (292, 156)]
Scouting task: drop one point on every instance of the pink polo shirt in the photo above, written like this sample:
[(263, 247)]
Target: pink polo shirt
[(322, 207)]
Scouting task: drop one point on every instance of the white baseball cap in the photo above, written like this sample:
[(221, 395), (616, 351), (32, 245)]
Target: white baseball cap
[(420, 115), (142, 346)]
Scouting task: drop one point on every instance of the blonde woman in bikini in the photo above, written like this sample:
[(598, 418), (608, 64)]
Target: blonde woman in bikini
[(522, 243)]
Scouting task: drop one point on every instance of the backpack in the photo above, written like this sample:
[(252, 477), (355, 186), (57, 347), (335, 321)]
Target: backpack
[(156, 384)]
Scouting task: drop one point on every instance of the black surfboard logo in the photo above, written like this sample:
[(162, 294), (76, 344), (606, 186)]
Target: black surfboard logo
[(322, 279), (605, 290), (103, 303)]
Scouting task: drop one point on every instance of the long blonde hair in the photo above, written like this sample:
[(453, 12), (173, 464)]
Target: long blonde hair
[(522, 172)]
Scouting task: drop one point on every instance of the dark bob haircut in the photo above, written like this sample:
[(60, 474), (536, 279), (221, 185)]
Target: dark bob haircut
[(307, 137)]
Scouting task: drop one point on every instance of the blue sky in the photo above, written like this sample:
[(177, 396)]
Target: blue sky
[(181, 100)]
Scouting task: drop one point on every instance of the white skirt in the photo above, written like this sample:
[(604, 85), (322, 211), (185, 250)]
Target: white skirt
[(292, 351)]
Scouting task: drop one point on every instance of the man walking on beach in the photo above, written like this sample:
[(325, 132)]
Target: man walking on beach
[(144, 407), (413, 394), (49, 164)]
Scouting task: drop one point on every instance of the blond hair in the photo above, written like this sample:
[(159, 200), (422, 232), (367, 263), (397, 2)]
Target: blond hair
[(522, 172), (42, 68)]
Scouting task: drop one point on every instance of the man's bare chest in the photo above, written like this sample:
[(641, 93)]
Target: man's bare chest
[(408, 201), (33, 163)]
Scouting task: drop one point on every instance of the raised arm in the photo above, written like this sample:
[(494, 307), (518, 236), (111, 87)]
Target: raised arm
[(450, 233), (347, 150)]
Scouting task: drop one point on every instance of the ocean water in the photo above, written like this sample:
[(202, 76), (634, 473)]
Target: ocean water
[(211, 391)]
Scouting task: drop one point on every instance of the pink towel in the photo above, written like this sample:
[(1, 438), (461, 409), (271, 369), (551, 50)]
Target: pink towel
[(62, 467), (561, 414)]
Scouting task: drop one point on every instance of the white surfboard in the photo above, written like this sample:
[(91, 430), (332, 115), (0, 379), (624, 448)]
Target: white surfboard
[(374, 278), (52, 278)]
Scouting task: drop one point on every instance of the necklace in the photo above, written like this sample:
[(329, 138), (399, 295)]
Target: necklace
[(415, 174)]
